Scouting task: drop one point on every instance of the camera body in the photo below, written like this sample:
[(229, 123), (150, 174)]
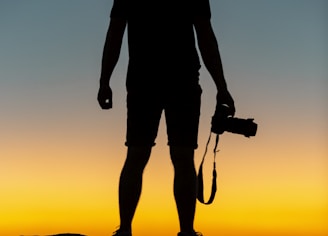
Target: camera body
[(222, 121)]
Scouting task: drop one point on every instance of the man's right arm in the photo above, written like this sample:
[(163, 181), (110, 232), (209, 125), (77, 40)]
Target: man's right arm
[(112, 48), (110, 57)]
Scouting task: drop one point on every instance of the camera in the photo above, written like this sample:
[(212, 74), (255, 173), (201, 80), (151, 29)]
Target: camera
[(222, 121)]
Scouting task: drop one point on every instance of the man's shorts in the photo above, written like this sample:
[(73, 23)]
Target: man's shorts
[(181, 106)]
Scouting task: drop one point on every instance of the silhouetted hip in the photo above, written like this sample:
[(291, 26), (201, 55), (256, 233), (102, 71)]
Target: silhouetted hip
[(181, 106)]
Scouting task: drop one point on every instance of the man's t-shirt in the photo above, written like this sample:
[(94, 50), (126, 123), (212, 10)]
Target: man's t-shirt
[(161, 39)]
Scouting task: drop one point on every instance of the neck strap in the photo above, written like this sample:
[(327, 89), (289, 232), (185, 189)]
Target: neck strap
[(200, 193)]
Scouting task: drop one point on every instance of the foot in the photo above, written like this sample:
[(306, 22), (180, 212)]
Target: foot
[(194, 233), (122, 233)]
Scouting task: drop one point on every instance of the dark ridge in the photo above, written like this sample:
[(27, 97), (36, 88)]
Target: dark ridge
[(68, 234), (64, 234)]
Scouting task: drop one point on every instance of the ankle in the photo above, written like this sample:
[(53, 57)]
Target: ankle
[(125, 229), (122, 232), (189, 233)]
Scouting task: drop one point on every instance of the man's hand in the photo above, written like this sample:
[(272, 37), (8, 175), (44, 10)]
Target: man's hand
[(105, 97), (224, 97)]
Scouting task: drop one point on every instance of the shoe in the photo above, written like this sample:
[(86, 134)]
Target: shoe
[(122, 233), (190, 234)]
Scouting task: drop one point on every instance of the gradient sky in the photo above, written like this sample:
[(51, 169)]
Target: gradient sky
[(61, 154)]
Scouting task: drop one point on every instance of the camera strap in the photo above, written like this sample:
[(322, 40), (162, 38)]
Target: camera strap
[(200, 191)]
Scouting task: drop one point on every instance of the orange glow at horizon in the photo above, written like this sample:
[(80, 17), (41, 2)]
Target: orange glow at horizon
[(76, 194)]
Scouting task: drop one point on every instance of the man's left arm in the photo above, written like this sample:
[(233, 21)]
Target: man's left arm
[(209, 50)]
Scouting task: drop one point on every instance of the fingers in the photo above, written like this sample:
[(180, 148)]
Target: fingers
[(106, 104), (105, 98), (231, 105), (232, 110), (224, 98)]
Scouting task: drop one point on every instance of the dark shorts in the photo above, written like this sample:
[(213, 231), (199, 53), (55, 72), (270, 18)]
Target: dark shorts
[(181, 107)]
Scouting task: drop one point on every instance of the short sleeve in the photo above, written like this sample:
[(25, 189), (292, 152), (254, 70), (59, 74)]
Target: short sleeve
[(119, 9), (202, 9)]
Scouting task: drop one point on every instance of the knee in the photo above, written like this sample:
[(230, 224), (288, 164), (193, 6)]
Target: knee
[(182, 156), (137, 157)]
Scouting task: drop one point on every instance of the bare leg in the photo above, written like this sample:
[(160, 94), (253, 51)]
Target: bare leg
[(185, 184), (131, 183)]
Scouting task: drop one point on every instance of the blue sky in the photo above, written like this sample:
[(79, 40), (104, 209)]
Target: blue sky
[(278, 45)]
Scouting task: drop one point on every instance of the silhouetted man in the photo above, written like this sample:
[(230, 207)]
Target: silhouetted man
[(162, 76)]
